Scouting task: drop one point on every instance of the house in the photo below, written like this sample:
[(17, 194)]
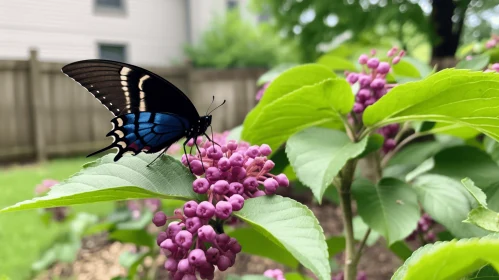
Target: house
[(142, 32)]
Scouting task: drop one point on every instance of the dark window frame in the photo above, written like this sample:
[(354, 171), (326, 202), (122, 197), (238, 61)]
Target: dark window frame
[(110, 9), (124, 46)]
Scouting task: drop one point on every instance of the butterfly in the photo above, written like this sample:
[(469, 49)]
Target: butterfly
[(150, 113)]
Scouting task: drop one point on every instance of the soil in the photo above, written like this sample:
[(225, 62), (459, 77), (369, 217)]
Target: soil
[(99, 258)]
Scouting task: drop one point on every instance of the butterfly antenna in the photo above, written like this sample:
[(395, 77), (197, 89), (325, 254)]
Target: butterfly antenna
[(213, 100), (217, 107)]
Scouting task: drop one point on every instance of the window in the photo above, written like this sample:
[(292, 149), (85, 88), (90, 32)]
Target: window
[(231, 4), (112, 52), (110, 6)]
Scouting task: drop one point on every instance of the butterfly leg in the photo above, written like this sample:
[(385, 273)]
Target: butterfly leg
[(160, 154), (187, 156), (200, 156)]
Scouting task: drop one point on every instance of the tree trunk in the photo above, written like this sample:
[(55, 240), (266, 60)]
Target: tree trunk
[(447, 32)]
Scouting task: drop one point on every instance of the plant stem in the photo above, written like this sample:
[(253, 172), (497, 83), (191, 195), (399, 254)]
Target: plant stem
[(347, 174), (404, 142), (361, 247)]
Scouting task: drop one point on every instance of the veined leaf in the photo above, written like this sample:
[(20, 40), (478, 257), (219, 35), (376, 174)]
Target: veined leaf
[(318, 154), (128, 178), (292, 226), (450, 96), (454, 256)]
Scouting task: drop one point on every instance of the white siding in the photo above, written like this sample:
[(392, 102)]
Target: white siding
[(67, 30)]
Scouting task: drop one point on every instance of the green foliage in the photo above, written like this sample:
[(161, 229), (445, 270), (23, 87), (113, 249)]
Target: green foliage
[(451, 96), (478, 62), (311, 97), (481, 216), (105, 180), (447, 202), (131, 261), (336, 63), (454, 254), (389, 207), (292, 226), (335, 245), (274, 73), (232, 42), (318, 154)]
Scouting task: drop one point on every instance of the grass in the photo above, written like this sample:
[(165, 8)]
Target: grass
[(23, 236)]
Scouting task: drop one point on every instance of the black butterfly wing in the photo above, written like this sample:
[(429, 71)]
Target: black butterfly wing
[(145, 132), (123, 88)]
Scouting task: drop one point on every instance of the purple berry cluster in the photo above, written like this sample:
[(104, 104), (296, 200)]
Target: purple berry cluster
[(228, 173), (424, 230), (493, 68), (136, 207), (372, 79), (276, 274), (389, 132), (59, 214), (340, 276)]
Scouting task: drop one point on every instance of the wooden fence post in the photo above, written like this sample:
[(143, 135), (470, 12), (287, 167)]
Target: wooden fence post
[(35, 106)]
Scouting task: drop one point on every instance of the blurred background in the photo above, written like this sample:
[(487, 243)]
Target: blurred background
[(205, 47)]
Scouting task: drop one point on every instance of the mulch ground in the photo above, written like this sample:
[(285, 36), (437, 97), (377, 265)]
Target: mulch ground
[(98, 258)]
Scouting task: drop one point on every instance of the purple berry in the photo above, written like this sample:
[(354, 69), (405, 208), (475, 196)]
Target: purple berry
[(159, 219), (282, 179), (212, 174), (224, 164), (237, 202), (392, 51), (363, 95), (234, 246), (238, 173), (253, 151), (363, 58), (206, 233), (173, 230), (184, 266), (190, 208), (430, 237), (236, 188), (207, 271), (389, 145), (232, 145), (383, 67), (223, 263), (201, 185), (223, 210), (380, 93), (178, 275), (269, 164), (373, 63), (370, 101), (214, 152), (197, 257), (162, 236), (361, 276), (365, 80), (184, 239), (236, 159), (193, 224), (378, 83), (196, 167), (171, 264), (169, 246), (265, 150), (189, 277), (396, 60), (270, 185), (221, 187), (259, 193), (212, 255), (223, 240), (250, 183), (358, 108), (205, 210), (352, 78)]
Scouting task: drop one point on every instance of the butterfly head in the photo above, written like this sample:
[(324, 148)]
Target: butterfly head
[(204, 123)]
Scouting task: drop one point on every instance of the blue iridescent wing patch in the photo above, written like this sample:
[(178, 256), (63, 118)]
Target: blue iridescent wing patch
[(145, 132)]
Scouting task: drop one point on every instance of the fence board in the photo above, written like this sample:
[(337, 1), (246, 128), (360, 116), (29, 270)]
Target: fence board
[(75, 122)]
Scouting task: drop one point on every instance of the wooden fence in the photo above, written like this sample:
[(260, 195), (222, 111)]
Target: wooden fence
[(44, 114)]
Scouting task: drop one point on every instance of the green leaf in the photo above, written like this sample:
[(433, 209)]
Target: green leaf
[(492, 148), (486, 272), (409, 158), (235, 133), (359, 231), (254, 243), (452, 96), (447, 202), (484, 218), (274, 73), (476, 192), (128, 178), (390, 207), (406, 69), (335, 245), (141, 223), (401, 249), (374, 143), (131, 261), (291, 225), (478, 62), (318, 154), (465, 161), (136, 236), (336, 63), (454, 254), (288, 82), (295, 276)]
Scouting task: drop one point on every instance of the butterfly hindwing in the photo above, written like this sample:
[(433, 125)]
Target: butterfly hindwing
[(145, 132), (123, 88)]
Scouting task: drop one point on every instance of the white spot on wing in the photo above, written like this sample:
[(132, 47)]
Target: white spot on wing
[(122, 144), (142, 95), (120, 133), (142, 106), (124, 83), (120, 122), (142, 80), (123, 78), (125, 70), (124, 88)]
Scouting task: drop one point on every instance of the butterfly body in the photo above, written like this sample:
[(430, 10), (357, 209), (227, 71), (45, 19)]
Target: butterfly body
[(150, 113)]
